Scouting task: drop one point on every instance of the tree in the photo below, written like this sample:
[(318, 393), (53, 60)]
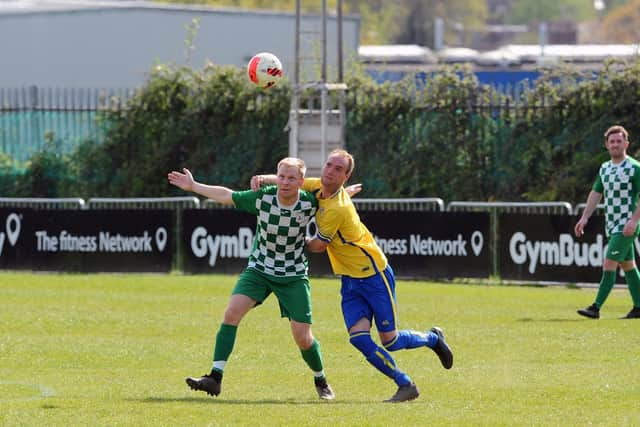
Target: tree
[(621, 24), (458, 16), (612, 4), (380, 18), (526, 11), (381, 21)]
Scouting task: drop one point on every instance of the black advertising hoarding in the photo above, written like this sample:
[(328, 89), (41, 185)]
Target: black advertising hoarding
[(86, 241), (544, 248), (418, 244), (433, 244), (216, 240), (220, 241)]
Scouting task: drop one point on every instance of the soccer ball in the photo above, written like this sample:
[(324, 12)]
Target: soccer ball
[(264, 69)]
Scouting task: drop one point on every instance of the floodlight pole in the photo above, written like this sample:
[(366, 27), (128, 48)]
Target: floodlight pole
[(323, 90), (342, 93), (296, 47), (295, 93), (340, 53)]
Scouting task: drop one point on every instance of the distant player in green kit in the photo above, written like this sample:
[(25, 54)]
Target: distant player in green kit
[(277, 265), (619, 181)]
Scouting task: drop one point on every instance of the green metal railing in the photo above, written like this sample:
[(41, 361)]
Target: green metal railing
[(32, 118), (24, 133)]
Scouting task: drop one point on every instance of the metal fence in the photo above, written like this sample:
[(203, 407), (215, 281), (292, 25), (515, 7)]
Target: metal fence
[(211, 204), (416, 204), (42, 203), (143, 203), (32, 118), (32, 98), (189, 202), (513, 207), (580, 208)]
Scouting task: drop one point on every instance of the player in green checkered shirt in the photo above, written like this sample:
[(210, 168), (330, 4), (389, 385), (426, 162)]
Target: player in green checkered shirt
[(619, 181), (277, 264)]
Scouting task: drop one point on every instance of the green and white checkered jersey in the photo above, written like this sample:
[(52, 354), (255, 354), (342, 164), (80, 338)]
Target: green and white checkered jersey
[(620, 185), (278, 249)]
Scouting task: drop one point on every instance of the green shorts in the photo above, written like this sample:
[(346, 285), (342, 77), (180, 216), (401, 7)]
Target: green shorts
[(293, 293), (620, 248)]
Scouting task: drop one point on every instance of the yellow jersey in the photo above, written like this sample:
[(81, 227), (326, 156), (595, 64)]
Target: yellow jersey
[(352, 249)]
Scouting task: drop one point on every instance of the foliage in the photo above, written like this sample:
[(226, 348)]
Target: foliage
[(411, 21), (549, 149), (444, 135), (379, 24), (213, 122), (9, 173), (621, 24), (47, 174), (379, 18), (613, 4), (526, 11), (566, 141), (459, 16), (388, 21), (423, 151)]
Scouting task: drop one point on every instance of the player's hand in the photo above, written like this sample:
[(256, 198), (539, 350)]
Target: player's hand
[(579, 228), (353, 189), (630, 228), (256, 182), (184, 181)]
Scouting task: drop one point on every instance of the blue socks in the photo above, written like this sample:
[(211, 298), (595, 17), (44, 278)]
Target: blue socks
[(378, 357), (412, 339)]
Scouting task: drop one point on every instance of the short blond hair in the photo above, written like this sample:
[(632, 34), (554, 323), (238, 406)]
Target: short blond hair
[(296, 163), (616, 129), (351, 163)]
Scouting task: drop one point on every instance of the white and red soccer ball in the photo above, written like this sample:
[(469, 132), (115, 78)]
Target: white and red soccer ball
[(264, 70)]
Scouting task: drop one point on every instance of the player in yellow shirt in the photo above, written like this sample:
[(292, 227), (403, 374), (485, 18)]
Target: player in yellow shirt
[(368, 283)]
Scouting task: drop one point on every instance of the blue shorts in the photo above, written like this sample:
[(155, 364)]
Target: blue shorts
[(372, 297)]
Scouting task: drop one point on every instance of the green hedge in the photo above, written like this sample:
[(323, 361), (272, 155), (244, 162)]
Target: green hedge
[(450, 138)]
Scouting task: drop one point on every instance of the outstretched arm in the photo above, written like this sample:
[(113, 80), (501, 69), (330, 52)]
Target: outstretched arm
[(184, 180)]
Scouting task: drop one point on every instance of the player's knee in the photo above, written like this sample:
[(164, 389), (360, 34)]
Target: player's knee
[(233, 316), (238, 307), (304, 341), (302, 335), (363, 342)]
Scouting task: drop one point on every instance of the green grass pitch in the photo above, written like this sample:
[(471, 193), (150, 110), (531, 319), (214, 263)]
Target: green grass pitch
[(107, 350)]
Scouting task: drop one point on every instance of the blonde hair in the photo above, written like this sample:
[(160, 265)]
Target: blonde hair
[(295, 162), (347, 156), (616, 129)]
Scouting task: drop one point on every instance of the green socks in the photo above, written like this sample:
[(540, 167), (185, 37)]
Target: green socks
[(225, 339), (606, 284), (608, 280), (633, 281), (313, 357)]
